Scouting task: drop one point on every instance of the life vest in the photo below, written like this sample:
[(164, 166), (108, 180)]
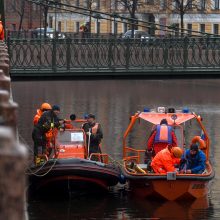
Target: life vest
[(95, 128), (37, 116), (163, 134)]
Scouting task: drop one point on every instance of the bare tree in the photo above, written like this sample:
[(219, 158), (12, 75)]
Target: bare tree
[(18, 6), (182, 7), (89, 6), (131, 6)]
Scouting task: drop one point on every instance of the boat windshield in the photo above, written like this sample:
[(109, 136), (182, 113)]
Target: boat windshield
[(70, 137)]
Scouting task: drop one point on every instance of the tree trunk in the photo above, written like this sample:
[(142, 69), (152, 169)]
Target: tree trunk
[(133, 23), (45, 21), (181, 21), (21, 18)]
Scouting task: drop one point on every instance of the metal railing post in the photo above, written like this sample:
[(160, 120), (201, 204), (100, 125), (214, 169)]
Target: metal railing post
[(165, 52), (68, 53), (185, 52), (127, 54), (54, 55)]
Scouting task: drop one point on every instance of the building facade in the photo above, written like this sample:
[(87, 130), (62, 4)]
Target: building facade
[(69, 16), (17, 10), (205, 17)]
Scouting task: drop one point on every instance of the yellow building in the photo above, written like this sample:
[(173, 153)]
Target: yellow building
[(205, 17)]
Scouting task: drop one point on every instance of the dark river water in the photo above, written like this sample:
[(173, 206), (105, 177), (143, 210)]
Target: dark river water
[(113, 101)]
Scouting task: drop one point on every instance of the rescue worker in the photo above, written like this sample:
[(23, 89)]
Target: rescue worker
[(161, 137), (48, 120), (2, 32), (94, 134), (193, 161), (44, 107), (167, 159)]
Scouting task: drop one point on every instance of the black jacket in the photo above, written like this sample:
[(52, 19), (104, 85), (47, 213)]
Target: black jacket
[(95, 139), (47, 121)]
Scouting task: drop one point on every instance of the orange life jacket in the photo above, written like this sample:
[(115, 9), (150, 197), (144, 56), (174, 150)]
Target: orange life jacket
[(95, 128), (37, 116)]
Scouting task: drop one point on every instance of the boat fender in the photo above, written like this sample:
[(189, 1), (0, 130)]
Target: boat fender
[(122, 179), (198, 139)]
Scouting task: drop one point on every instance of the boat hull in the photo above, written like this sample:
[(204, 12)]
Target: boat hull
[(72, 175), (157, 186)]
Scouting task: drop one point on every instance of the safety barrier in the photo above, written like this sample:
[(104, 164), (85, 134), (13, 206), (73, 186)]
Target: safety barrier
[(12, 155), (114, 56)]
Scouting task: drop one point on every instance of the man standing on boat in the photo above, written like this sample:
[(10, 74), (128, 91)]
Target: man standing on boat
[(94, 134), (193, 160), (49, 120), (161, 137)]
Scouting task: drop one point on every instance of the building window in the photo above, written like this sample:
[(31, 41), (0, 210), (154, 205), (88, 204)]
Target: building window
[(190, 5), (189, 29), (85, 3), (13, 27), (114, 27), (202, 4), (59, 26), (149, 2), (97, 4), (98, 27), (77, 3), (50, 22), (77, 27), (216, 4), (202, 28), (124, 27), (163, 4), (215, 29)]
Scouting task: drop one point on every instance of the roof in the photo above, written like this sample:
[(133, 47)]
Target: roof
[(155, 118)]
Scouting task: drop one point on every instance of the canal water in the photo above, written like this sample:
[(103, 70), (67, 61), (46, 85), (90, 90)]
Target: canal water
[(113, 101)]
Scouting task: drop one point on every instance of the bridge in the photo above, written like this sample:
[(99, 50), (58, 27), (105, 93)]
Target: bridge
[(114, 57)]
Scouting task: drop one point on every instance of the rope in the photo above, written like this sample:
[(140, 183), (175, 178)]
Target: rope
[(115, 161), (40, 175)]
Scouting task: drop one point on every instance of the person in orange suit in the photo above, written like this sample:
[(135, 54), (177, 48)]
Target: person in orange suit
[(166, 160), (44, 107), (2, 32)]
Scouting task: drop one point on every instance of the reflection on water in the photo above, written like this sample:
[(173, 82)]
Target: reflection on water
[(113, 101)]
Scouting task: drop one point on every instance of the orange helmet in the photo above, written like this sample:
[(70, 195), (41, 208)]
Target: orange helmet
[(45, 106), (177, 152)]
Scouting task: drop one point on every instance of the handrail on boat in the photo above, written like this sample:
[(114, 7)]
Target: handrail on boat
[(129, 149), (104, 158)]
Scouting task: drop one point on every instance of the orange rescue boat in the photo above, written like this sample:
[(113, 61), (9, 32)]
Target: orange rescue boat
[(71, 169), (188, 128)]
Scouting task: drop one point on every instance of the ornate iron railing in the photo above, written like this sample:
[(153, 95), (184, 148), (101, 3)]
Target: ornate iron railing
[(72, 56)]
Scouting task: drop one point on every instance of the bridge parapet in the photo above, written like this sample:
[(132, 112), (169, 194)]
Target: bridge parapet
[(12, 155), (62, 57)]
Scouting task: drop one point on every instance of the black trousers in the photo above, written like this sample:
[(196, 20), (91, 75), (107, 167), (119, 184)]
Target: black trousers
[(40, 142)]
